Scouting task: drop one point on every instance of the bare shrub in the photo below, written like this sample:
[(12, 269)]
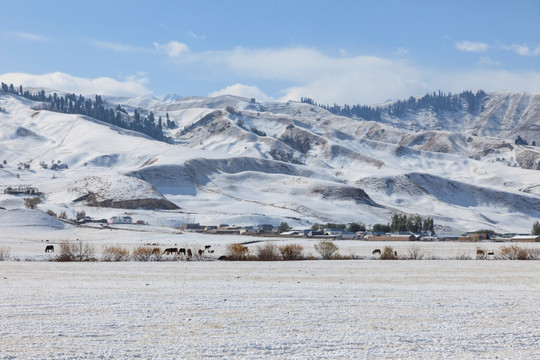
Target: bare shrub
[(268, 252), (415, 253), (115, 253), (145, 253), (292, 252), (32, 202), (4, 253), (62, 215), (326, 249), (388, 253), (141, 222), (237, 252), (76, 251), (51, 213), (515, 252)]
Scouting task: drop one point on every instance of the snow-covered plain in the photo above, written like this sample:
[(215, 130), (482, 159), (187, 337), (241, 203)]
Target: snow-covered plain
[(255, 310)]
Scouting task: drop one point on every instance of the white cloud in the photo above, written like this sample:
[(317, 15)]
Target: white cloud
[(243, 91), (484, 60), (523, 50), (30, 36), (172, 48), (196, 36), (364, 79), (402, 51), (471, 46), (132, 86), (116, 46)]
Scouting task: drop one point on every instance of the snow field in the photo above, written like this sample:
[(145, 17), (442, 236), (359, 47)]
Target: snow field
[(299, 310)]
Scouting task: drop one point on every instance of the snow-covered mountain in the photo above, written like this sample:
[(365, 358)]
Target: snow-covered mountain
[(232, 160)]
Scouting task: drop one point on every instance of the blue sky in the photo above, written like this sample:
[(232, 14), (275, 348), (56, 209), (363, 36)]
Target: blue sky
[(344, 51)]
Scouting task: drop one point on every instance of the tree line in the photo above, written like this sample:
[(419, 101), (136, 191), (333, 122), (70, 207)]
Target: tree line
[(73, 104), (412, 223), (437, 102)]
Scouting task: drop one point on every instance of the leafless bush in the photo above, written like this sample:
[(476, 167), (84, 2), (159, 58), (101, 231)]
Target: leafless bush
[(76, 251), (145, 253), (326, 249), (463, 257), (62, 215), (292, 252), (141, 222), (51, 213), (415, 253), (4, 253), (268, 252), (388, 253), (80, 214), (115, 253), (32, 202), (237, 252), (515, 252)]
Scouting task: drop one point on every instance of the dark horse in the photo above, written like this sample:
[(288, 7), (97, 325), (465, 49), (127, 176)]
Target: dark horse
[(376, 251), (171, 251), (49, 248)]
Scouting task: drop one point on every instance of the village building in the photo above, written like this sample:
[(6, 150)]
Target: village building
[(526, 238), (121, 220)]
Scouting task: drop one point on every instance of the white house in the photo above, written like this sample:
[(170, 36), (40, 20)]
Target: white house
[(121, 220)]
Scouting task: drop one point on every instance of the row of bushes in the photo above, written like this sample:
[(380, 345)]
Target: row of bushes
[(81, 251)]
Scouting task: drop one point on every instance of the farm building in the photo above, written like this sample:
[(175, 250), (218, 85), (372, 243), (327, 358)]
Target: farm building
[(391, 237), (121, 220), (526, 238)]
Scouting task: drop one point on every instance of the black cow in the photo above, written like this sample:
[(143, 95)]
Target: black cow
[(49, 248)]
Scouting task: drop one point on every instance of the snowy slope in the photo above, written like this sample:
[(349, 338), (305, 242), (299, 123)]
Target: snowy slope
[(235, 161)]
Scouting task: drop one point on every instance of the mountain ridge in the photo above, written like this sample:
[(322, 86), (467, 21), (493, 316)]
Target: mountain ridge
[(236, 160)]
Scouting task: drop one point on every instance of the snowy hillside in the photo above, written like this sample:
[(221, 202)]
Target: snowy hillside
[(240, 162)]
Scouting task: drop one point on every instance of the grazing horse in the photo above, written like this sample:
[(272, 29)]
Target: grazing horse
[(376, 251), (479, 252), (169, 251), (182, 251), (49, 248), (189, 253), (207, 247), (200, 252)]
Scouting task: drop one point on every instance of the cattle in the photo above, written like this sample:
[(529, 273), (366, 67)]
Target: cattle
[(207, 247), (376, 251), (491, 253), (200, 252), (170, 251), (211, 251), (182, 251), (49, 248), (189, 253)]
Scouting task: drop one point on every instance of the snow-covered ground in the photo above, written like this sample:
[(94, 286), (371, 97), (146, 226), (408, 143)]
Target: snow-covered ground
[(27, 240), (255, 310)]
